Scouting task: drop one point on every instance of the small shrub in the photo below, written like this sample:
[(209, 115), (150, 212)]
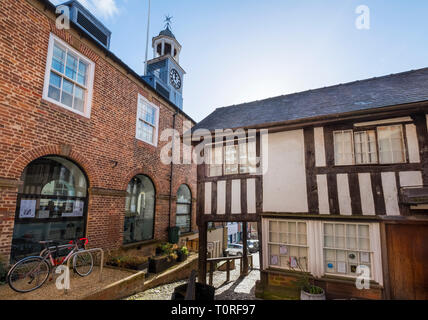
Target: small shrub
[(127, 260), (184, 250)]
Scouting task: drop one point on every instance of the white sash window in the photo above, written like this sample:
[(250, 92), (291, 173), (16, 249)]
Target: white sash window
[(69, 78)]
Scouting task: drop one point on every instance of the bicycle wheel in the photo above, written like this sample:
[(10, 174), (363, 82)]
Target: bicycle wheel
[(28, 274), (83, 264)]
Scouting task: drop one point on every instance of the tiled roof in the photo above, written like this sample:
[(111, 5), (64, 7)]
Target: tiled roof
[(391, 90)]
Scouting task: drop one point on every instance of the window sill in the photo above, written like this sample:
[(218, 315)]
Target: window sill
[(64, 107), (142, 143)]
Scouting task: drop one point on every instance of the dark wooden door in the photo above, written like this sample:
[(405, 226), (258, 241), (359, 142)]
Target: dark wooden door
[(408, 260)]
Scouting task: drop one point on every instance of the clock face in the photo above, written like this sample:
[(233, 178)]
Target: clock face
[(175, 79)]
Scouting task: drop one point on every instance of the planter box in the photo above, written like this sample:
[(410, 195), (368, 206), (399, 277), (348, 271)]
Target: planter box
[(159, 264), (182, 257)]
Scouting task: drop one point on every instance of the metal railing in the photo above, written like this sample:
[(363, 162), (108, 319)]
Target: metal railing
[(88, 251)]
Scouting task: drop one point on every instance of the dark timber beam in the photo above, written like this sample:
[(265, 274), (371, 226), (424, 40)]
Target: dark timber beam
[(245, 248), (202, 277)]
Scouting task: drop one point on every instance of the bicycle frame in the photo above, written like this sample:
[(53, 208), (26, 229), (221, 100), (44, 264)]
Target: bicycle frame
[(46, 254)]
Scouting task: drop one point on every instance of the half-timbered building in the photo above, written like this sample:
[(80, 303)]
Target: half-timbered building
[(341, 183)]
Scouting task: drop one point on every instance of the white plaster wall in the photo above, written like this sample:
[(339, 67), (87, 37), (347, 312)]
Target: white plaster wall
[(412, 143), (319, 147), (390, 193), (236, 196), (323, 201), (344, 195), (411, 179), (284, 183), (366, 194), (221, 197), (208, 194), (251, 196)]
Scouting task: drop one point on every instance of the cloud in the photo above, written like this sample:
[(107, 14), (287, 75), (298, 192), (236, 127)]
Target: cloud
[(100, 8)]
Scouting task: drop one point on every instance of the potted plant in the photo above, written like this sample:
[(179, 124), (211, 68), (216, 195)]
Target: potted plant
[(308, 290), (165, 258), (182, 254)]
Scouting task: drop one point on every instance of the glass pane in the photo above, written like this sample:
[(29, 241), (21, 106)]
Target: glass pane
[(363, 231), (330, 255), (273, 226), (51, 205), (79, 105), (351, 243), (340, 255), (274, 237), (139, 210), (81, 77), (79, 98), (67, 99), (54, 93), (58, 59), (364, 244), (340, 230), (351, 230), (184, 195), (340, 242), (329, 241), (328, 229), (71, 68), (55, 80), (284, 238), (302, 239), (302, 227)]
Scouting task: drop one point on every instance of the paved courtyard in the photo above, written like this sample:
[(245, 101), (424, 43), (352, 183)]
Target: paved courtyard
[(236, 289)]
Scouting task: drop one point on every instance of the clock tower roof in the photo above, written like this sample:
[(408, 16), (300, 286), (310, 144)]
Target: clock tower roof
[(167, 32)]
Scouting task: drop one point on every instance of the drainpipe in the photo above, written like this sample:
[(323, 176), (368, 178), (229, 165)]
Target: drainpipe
[(172, 170)]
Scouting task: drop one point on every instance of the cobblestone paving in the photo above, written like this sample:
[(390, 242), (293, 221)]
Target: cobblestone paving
[(237, 289)]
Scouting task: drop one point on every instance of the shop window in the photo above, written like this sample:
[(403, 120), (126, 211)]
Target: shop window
[(287, 245), (184, 209), (346, 246), (139, 210), (51, 205)]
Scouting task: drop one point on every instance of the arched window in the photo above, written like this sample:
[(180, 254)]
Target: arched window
[(184, 209), (139, 210), (51, 205)]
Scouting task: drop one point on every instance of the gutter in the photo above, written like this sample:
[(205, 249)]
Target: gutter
[(172, 170)]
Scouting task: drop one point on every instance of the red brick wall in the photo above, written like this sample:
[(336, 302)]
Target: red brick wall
[(31, 127)]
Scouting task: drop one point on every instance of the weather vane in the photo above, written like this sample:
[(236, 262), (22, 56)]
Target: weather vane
[(168, 21)]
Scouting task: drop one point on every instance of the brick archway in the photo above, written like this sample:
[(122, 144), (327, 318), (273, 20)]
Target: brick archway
[(141, 171), (24, 159)]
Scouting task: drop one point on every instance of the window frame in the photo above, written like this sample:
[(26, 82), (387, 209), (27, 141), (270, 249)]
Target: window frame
[(403, 143), (189, 214), (268, 243), (88, 89), (143, 100), (236, 144), (375, 129), (323, 248)]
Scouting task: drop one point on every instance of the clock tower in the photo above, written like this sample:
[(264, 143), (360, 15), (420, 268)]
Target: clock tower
[(163, 71)]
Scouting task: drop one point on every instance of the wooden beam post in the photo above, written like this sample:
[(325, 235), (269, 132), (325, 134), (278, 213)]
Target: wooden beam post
[(203, 253), (245, 254), (228, 271)]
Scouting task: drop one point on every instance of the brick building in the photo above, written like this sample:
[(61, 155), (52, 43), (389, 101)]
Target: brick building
[(80, 139)]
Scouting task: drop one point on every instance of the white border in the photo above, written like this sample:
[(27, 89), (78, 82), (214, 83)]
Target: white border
[(156, 135), (91, 73)]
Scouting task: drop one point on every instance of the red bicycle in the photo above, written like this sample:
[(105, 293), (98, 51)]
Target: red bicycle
[(31, 273)]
